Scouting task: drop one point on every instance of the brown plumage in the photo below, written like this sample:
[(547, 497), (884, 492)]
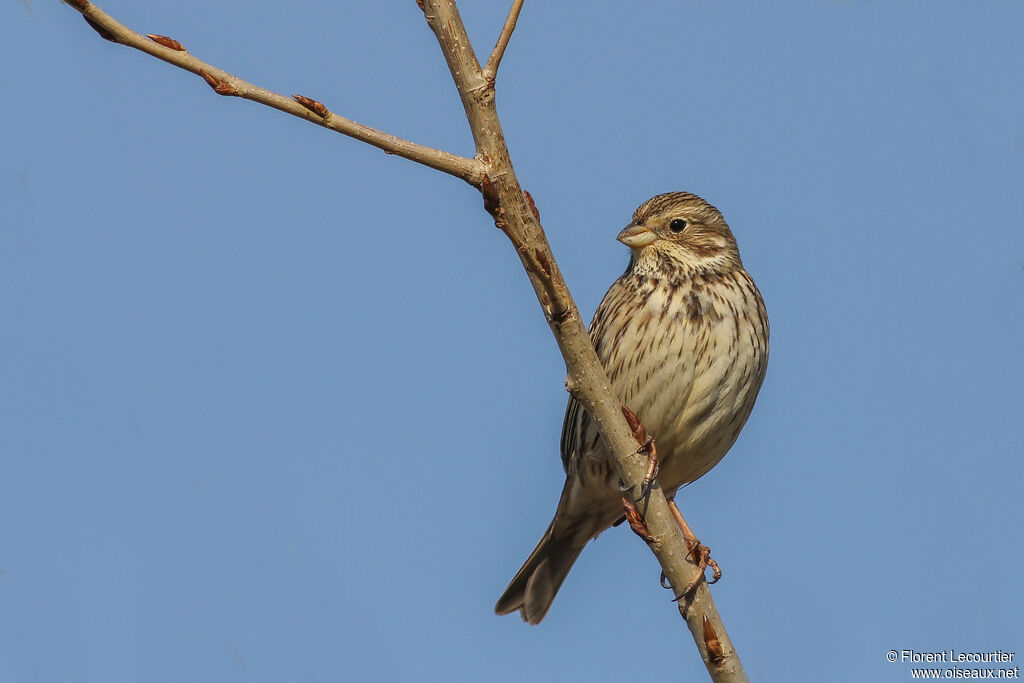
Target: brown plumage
[(683, 335)]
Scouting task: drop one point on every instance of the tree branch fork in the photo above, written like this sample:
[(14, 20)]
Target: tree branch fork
[(515, 213)]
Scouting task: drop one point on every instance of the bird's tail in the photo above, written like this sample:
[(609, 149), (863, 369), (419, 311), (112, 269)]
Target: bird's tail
[(534, 587)]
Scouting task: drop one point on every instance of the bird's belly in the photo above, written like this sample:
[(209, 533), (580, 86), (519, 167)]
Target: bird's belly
[(694, 398)]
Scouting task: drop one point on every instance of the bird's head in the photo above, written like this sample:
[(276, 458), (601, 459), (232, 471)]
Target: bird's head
[(684, 229)]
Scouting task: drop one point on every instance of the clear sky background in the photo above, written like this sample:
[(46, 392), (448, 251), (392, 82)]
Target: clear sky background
[(279, 407)]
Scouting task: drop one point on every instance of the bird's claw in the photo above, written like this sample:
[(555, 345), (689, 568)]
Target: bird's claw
[(699, 553), (646, 448), (716, 571), (652, 467)]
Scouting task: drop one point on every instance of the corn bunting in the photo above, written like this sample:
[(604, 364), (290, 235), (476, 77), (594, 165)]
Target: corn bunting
[(683, 336)]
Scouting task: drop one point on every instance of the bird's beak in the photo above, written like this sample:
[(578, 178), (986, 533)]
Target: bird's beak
[(636, 236)]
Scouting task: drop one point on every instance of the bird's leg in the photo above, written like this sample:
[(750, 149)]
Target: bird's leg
[(701, 554), (652, 467), (633, 514)]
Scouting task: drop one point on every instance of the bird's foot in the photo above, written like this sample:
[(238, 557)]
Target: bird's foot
[(652, 467), (647, 448), (699, 553)]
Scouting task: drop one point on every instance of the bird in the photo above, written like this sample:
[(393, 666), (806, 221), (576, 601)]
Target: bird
[(683, 337)]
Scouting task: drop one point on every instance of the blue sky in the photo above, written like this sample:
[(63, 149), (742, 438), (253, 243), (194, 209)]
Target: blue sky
[(278, 407)]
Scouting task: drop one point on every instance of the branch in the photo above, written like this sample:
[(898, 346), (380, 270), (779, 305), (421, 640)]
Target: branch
[(491, 70), (514, 212), (224, 83), (516, 215)]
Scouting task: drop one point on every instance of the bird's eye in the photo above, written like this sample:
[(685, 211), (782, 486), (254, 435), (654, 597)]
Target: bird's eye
[(677, 225)]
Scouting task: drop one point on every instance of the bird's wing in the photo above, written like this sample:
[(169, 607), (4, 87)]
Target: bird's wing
[(573, 414)]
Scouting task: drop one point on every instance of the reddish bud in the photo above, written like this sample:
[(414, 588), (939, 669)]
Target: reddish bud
[(220, 87), (716, 654), (80, 5), (166, 42), (316, 107), (542, 259), (639, 432), (532, 205), (492, 203), (636, 521)]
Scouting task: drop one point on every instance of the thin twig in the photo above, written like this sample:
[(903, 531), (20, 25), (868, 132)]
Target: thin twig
[(224, 83), (491, 70)]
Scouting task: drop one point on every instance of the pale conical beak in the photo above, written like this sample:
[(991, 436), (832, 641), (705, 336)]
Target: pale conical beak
[(637, 236)]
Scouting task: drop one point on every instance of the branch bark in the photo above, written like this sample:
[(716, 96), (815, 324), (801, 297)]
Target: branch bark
[(224, 83), (516, 215), (491, 69)]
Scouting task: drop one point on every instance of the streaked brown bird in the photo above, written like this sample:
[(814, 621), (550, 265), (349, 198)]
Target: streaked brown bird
[(683, 336)]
